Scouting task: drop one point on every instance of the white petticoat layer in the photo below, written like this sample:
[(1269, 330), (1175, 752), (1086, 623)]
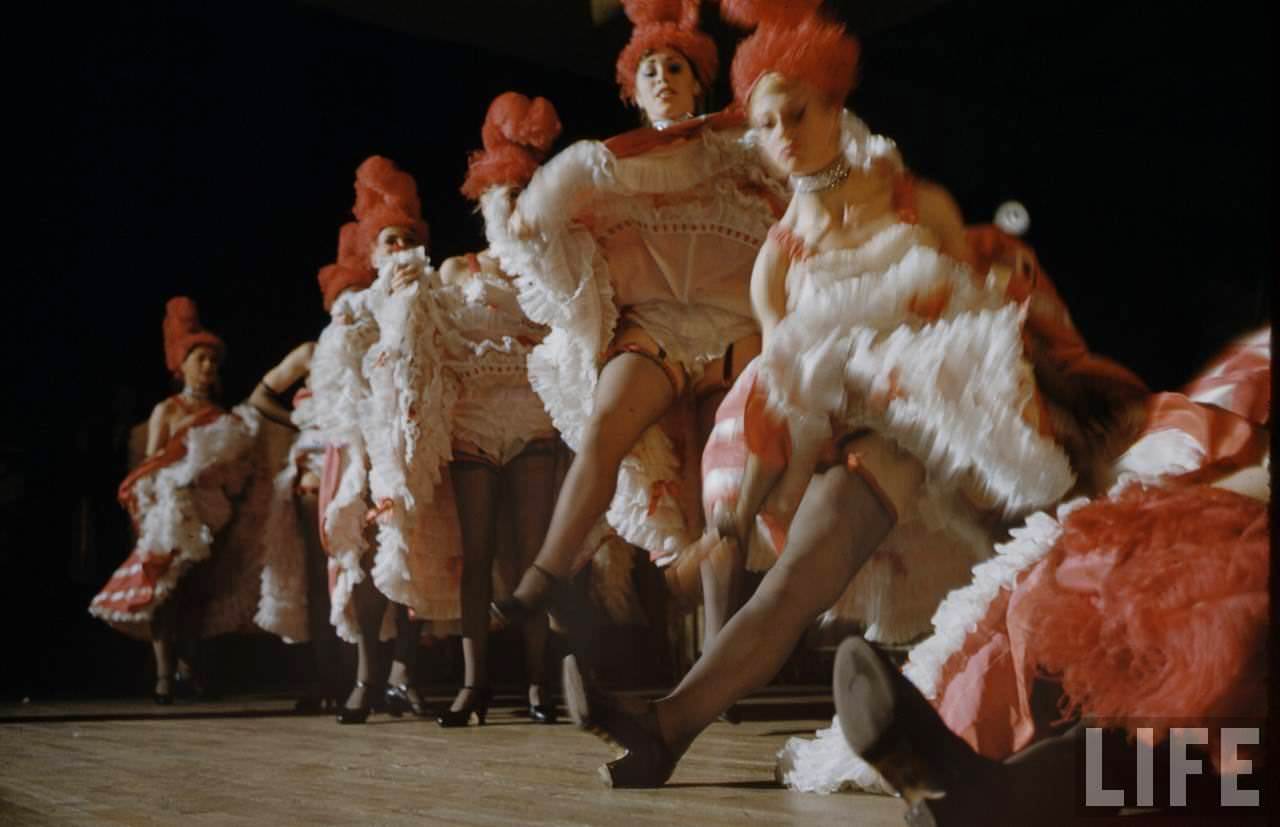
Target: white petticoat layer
[(282, 605), (418, 559), (950, 389), (338, 385)]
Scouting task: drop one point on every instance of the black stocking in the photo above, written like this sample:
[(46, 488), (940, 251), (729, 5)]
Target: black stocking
[(529, 482), (632, 394), (405, 653), (475, 488)]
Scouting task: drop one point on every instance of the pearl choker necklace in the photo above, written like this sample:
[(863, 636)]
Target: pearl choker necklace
[(829, 177), (194, 396), (667, 123)]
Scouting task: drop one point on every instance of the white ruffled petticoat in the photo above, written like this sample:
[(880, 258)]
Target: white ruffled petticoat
[(338, 385), (419, 541), (282, 604)]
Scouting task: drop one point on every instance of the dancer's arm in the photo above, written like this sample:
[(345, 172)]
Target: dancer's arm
[(769, 288), (158, 428), (560, 187), (292, 368)]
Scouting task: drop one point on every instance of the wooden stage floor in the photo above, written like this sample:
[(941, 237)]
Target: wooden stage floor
[(250, 761)]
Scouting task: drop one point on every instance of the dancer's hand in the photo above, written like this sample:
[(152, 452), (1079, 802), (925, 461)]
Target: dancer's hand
[(519, 227), (404, 275)]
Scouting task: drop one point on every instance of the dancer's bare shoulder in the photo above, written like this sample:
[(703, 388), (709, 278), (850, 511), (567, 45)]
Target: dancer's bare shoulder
[(937, 210)]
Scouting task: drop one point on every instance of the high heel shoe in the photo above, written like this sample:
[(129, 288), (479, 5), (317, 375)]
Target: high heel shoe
[(360, 714), (477, 705), (644, 760), (162, 698), (400, 700), (512, 610), (890, 724), (507, 612)]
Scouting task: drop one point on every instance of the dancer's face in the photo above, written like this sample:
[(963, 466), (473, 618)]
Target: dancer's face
[(200, 368), (393, 240), (799, 129), (666, 88)]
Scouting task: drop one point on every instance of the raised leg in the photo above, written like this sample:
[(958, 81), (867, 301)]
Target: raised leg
[(633, 393), (840, 521)]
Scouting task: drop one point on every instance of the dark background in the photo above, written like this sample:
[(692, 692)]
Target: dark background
[(208, 149)]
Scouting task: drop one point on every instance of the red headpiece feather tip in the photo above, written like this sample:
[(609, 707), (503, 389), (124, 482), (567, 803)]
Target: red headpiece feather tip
[(648, 12), (348, 240), (510, 166), (515, 119), (183, 332), (750, 13), (380, 181), (816, 51), (386, 196), (334, 278)]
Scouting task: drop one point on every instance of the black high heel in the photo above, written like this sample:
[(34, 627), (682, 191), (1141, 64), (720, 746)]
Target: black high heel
[(163, 698), (544, 713), (507, 612), (511, 610), (477, 705), (400, 701), (644, 761), (347, 715)]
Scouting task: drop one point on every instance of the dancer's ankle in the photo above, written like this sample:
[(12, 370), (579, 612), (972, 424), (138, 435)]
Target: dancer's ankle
[(534, 584), (676, 742)]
